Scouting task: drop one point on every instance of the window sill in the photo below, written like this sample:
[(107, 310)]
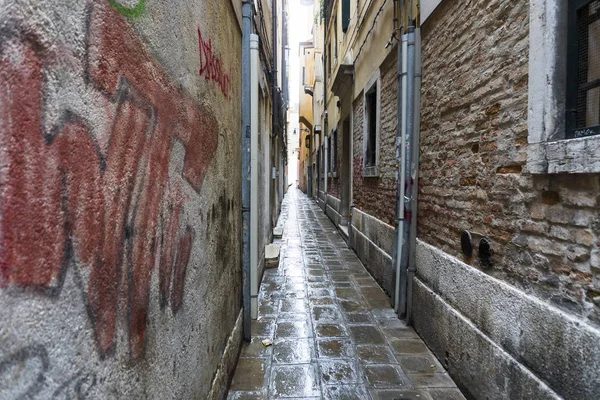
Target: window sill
[(371, 172), (569, 156)]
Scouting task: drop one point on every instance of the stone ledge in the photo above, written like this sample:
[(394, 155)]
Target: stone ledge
[(571, 156), (375, 260), (272, 255), (376, 230), (371, 172), (558, 348), (334, 202), (228, 362), (480, 368), (333, 215)]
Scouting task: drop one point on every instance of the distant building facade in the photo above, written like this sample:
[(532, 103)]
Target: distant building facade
[(509, 165)]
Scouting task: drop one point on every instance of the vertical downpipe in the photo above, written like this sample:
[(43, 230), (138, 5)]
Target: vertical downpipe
[(275, 115), (400, 293), (325, 170), (400, 187), (412, 239), (325, 113), (246, 31), (274, 66), (254, 69), (408, 166)]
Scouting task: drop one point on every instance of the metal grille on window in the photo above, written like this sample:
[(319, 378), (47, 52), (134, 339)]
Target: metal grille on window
[(583, 81), (371, 99)]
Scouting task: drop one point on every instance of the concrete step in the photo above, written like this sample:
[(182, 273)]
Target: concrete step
[(272, 255)]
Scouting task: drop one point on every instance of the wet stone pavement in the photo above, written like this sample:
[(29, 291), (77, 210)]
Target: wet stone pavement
[(334, 333)]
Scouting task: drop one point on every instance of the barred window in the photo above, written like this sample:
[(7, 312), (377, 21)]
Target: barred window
[(583, 69), (371, 121)]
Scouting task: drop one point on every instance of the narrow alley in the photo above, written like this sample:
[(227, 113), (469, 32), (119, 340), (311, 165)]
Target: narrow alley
[(334, 333), (300, 199)]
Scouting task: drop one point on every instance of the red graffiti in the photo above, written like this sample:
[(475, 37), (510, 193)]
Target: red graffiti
[(211, 66), (64, 200)]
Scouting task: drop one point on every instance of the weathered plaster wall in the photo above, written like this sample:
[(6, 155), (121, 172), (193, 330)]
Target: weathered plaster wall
[(119, 187)]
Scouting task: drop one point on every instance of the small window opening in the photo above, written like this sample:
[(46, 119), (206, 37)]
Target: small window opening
[(583, 69), (371, 110)]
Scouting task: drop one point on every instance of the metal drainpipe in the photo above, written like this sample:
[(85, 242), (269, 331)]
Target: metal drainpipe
[(407, 167), (254, 71), (325, 113), (412, 238), (400, 187), (325, 170), (246, 32), (275, 116)]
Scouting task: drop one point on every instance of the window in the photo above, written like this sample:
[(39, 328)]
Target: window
[(335, 40), (335, 151), (564, 87), (371, 126), (329, 59), (329, 161), (371, 109), (583, 69), (345, 15)]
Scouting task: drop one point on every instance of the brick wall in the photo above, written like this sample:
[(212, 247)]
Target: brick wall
[(545, 229), (333, 187), (377, 196), (333, 183)]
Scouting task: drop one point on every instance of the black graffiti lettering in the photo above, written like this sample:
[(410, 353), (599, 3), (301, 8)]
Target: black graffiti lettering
[(19, 359)]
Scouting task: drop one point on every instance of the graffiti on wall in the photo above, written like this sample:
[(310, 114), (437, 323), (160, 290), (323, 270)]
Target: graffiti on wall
[(211, 66), (36, 360), (111, 210), (131, 11)]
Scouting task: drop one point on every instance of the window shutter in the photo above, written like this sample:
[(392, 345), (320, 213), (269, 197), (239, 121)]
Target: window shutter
[(345, 15)]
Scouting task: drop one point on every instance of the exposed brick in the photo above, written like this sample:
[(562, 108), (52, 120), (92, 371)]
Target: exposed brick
[(474, 114), (509, 169), (377, 196), (550, 197)]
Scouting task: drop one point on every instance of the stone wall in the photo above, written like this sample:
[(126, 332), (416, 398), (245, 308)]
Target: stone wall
[(526, 326), (544, 229), (120, 182), (495, 340), (373, 242)]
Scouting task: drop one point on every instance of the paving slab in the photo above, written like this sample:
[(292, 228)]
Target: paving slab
[(334, 334)]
